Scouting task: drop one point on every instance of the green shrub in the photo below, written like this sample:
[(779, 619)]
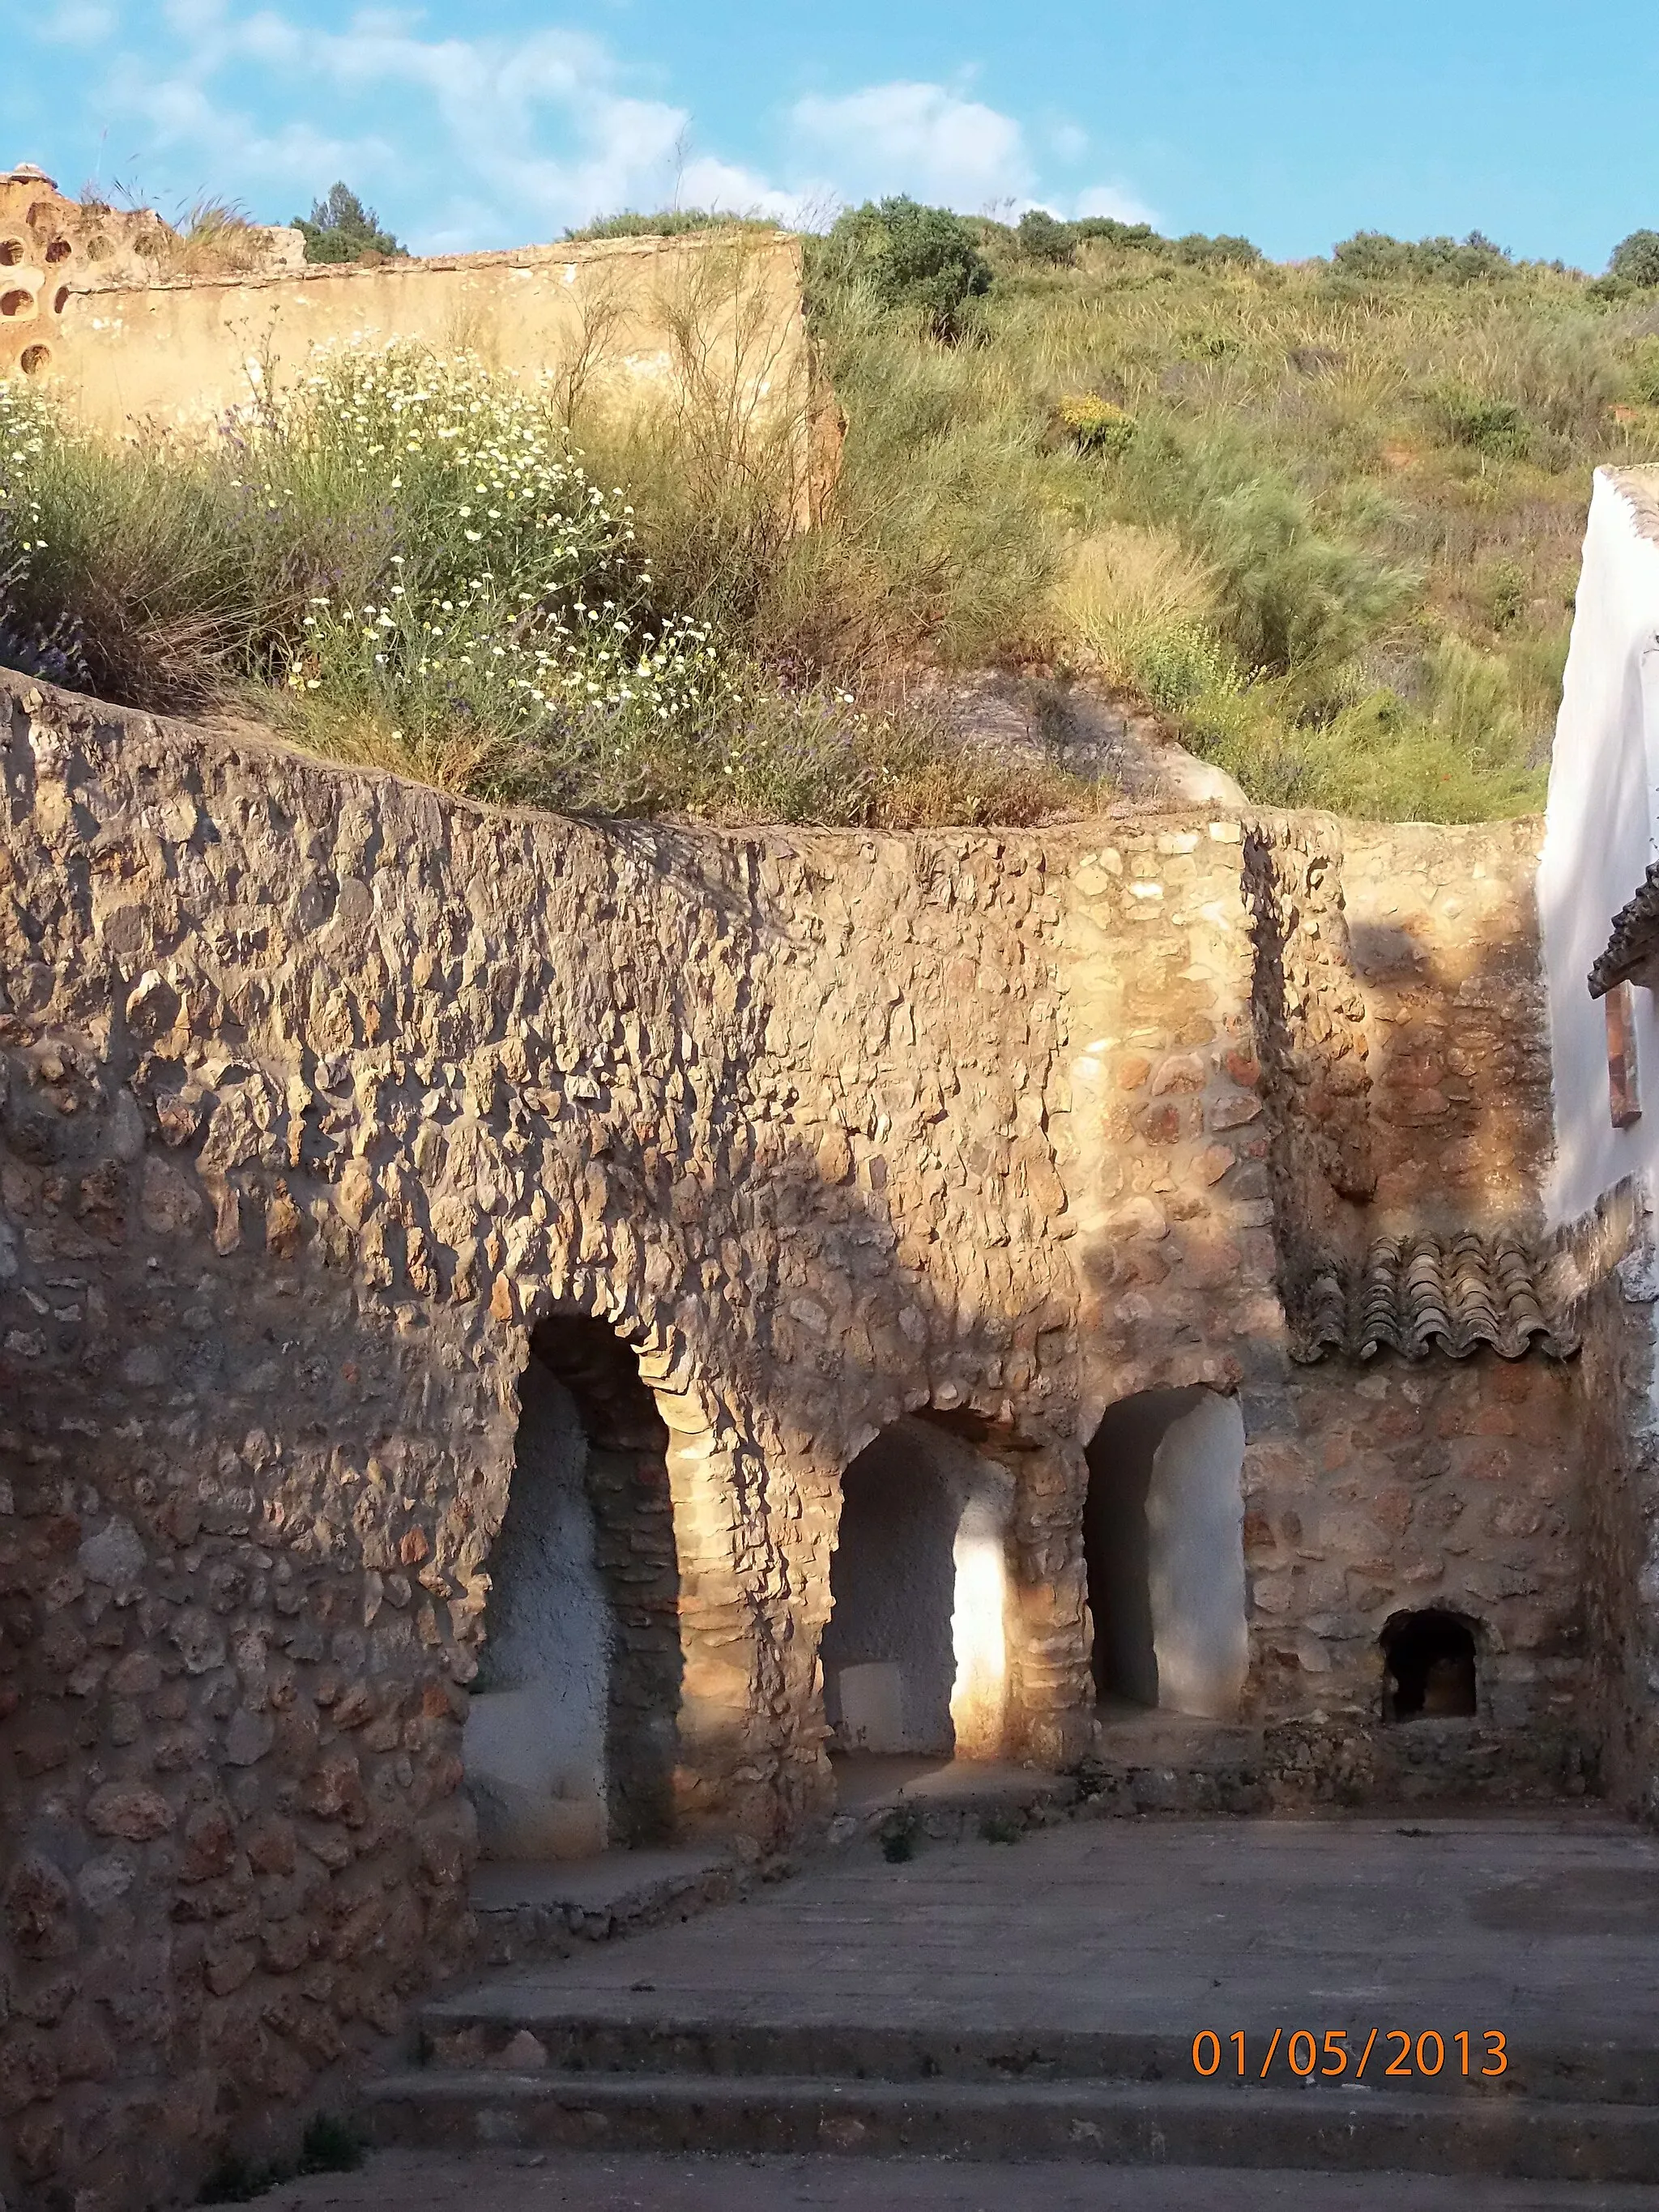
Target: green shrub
[(1472, 701), (1636, 259), (911, 256), (1293, 590), (1174, 667), (341, 229), (238, 2180), (1040, 237), (1374, 255), (1196, 250), (329, 2145), (1504, 588), (1644, 373), (1095, 425), (1109, 231), (898, 1834), (669, 222), (1207, 344), (1490, 426)]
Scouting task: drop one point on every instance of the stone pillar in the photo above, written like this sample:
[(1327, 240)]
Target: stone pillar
[(1051, 1702), (717, 1786)]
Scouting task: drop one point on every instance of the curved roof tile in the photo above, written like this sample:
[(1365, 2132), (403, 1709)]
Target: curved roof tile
[(1414, 1295)]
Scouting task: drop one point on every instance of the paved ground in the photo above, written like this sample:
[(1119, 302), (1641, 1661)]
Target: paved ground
[(1547, 1929), (578, 2182)]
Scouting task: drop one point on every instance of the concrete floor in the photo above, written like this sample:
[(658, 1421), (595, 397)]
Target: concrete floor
[(1545, 1928), (578, 2181)]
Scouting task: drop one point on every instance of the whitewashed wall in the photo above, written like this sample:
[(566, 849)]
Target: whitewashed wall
[(1602, 831)]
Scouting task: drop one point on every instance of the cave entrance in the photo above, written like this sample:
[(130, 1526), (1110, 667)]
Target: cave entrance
[(1164, 1545), (914, 1653), (571, 1738), (1429, 1666)]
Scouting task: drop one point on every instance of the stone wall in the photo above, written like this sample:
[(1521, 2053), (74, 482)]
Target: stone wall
[(52, 247), (324, 1094), (713, 320)]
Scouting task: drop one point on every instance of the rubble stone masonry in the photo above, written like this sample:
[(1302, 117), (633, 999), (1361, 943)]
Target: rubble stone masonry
[(323, 1092)]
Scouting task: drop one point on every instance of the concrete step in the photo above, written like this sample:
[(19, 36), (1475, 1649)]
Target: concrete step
[(527, 2026), (1360, 2130), (532, 1912)]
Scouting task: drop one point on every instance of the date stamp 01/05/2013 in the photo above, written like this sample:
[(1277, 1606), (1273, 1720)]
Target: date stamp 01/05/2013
[(1478, 2054)]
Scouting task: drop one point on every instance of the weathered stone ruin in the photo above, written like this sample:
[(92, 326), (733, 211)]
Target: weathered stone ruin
[(53, 249), (532, 1335), (93, 306), (1145, 1213)]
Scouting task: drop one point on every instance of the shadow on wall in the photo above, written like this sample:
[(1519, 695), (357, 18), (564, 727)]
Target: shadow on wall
[(1163, 1533), (571, 1737), (914, 1653), (1459, 1089)]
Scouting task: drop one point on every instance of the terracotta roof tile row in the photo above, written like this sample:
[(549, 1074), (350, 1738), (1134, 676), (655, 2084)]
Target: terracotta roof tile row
[(1414, 1295), (1635, 938)]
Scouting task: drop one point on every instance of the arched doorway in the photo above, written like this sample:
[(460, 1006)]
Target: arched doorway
[(914, 1653), (1429, 1666), (571, 1738), (1163, 1538)]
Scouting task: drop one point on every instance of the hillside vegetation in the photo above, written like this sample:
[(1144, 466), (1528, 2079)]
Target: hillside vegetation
[(1322, 520), (1326, 518)]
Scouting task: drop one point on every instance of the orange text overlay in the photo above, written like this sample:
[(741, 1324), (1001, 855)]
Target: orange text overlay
[(1386, 2051)]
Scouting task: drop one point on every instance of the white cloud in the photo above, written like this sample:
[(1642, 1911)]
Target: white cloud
[(1113, 200), (78, 23), (920, 139), (497, 104), (465, 141)]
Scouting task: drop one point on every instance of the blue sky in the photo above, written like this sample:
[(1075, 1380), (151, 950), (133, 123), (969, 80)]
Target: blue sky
[(496, 124)]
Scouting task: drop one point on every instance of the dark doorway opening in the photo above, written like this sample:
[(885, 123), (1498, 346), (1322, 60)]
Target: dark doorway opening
[(572, 1736), (1164, 1548), (1429, 1661), (914, 1653), (1116, 1542), (888, 1663)]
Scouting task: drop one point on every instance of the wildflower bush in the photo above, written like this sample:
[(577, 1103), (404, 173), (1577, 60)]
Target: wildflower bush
[(508, 619), (35, 647), (1095, 425), (404, 563)]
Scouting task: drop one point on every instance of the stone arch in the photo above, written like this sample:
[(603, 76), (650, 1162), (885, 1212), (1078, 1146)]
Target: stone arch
[(916, 1651), (1162, 1540), (571, 1740)]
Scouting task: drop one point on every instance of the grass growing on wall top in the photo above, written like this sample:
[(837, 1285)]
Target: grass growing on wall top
[(406, 563)]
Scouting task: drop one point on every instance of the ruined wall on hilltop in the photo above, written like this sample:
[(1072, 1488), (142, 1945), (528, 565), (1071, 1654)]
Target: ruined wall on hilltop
[(713, 320), (52, 247), (324, 1090)]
